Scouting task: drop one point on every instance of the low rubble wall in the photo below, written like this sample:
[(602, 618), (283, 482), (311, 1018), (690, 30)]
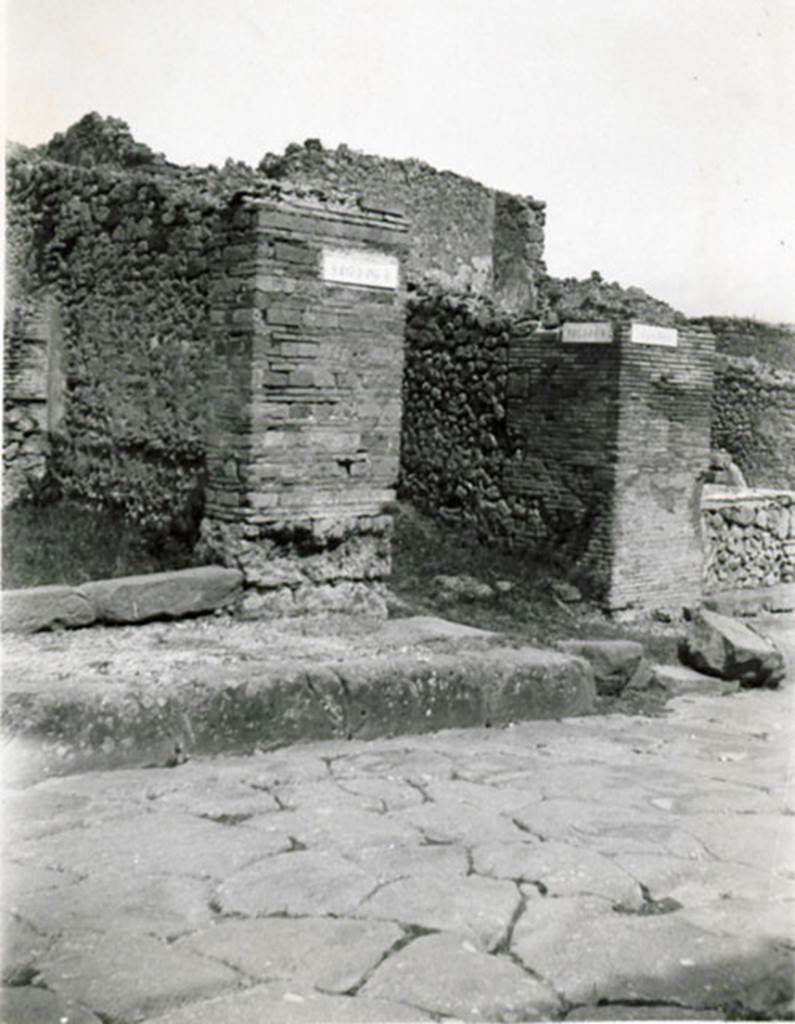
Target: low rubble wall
[(749, 538)]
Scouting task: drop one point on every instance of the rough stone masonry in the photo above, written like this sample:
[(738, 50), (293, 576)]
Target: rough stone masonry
[(304, 399)]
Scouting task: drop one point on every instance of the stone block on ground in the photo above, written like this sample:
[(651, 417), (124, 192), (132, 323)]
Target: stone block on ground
[(614, 662), (163, 594), (679, 679), (463, 588), (720, 646), (36, 608)]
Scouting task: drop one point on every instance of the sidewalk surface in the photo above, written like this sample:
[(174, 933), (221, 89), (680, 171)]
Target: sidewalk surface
[(600, 867)]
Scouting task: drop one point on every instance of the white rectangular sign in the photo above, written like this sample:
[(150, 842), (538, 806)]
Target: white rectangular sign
[(645, 334), (360, 266), (598, 333)]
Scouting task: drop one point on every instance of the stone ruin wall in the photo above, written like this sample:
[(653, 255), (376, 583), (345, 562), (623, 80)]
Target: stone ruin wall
[(753, 419), (749, 539), (463, 236), (107, 315), (108, 339)]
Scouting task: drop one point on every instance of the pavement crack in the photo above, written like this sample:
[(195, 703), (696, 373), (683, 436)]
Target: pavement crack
[(410, 933), (227, 819), (381, 885), (502, 946), (426, 797), (518, 823), (273, 793)]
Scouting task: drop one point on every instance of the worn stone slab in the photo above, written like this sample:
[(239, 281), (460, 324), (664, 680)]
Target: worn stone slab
[(280, 1003), (478, 909), (625, 958), (722, 646), (36, 608), (447, 975), (614, 662), (306, 882), (558, 869), (332, 955), (163, 594), (679, 679), (130, 976), (31, 1005)]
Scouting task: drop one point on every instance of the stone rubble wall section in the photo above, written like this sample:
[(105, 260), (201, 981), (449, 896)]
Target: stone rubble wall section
[(303, 403), (753, 419), (749, 540), (455, 440), (123, 256), (462, 234)]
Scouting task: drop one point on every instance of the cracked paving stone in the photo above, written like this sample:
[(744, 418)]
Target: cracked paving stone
[(121, 902), (454, 818), (307, 882), (331, 954), (447, 975), (765, 841), (22, 945), (279, 1003), (30, 1005), (129, 977), (773, 918), (158, 843), (654, 959), (563, 870), (342, 828), (478, 908)]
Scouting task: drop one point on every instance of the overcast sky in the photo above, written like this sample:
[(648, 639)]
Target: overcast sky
[(661, 133)]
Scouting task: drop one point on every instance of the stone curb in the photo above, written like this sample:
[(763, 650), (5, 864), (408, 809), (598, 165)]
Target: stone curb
[(126, 599), (82, 727)]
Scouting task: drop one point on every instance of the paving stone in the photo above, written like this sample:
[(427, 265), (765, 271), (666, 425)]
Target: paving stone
[(622, 958), (130, 977), (477, 908), (332, 955), (121, 902), (22, 946), (278, 1003), (313, 882), (158, 843), (30, 1005), (447, 975), (560, 869)]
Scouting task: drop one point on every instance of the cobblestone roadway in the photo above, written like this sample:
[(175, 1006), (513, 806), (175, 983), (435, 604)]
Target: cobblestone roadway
[(535, 872)]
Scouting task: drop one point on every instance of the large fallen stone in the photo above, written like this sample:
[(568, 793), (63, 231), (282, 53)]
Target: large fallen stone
[(163, 594), (37, 608), (720, 646), (614, 662)]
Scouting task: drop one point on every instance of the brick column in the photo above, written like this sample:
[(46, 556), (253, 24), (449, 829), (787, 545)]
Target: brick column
[(612, 425), (304, 400), (665, 399)]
